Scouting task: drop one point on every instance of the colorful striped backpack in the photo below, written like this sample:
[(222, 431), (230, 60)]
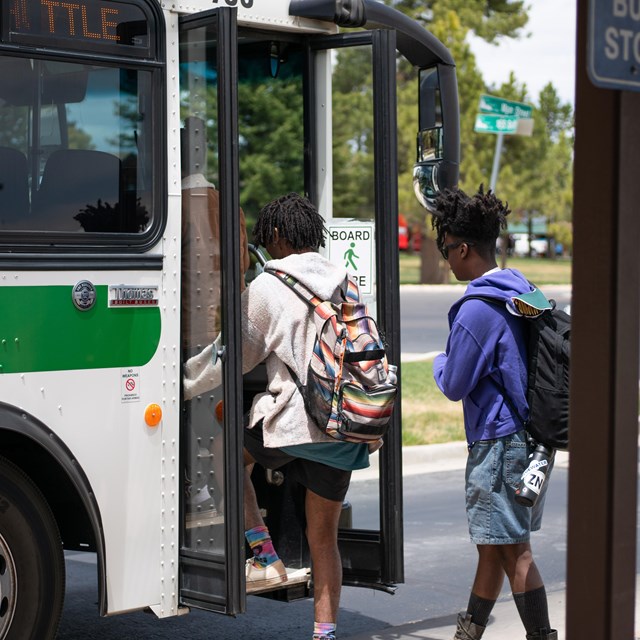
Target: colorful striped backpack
[(349, 394)]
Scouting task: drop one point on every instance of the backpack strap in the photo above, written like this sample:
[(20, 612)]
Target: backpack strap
[(348, 289)]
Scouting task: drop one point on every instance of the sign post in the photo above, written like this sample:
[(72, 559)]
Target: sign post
[(502, 117)]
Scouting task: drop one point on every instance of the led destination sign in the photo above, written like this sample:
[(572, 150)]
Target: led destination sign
[(77, 23)]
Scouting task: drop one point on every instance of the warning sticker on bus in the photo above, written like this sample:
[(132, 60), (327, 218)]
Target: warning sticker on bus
[(130, 385)]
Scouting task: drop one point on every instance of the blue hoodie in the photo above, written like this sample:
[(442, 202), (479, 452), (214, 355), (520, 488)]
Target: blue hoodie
[(486, 341)]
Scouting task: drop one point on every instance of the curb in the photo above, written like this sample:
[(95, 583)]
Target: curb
[(431, 458)]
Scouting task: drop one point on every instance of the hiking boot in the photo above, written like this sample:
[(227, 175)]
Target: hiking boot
[(543, 634), (259, 578), (466, 630)]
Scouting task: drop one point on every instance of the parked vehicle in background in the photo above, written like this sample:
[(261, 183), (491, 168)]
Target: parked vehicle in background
[(403, 233), (539, 245)]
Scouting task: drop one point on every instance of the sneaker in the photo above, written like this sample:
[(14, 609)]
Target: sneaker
[(201, 509), (259, 578), (202, 516)]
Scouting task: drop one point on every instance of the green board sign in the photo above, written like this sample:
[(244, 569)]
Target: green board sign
[(491, 123), (502, 107)]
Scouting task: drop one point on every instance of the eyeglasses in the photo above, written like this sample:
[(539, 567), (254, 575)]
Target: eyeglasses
[(454, 245)]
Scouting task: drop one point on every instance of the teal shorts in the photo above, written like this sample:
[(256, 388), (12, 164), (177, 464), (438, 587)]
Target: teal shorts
[(327, 482)]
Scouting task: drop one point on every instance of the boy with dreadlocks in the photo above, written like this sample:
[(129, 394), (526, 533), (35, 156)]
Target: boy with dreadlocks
[(278, 327), (487, 344)]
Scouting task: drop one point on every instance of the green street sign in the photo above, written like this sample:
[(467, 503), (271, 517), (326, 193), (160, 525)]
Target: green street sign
[(491, 123), (499, 106)]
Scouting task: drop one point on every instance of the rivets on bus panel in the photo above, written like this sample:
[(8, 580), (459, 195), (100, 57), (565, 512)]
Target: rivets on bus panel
[(153, 415)]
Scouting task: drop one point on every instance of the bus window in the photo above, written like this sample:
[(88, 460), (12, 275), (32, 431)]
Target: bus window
[(85, 133)]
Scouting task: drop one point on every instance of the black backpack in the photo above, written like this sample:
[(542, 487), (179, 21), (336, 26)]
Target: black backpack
[(548, 354)]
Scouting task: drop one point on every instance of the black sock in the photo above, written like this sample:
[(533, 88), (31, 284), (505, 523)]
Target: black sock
[(533, 610), (479, 609)]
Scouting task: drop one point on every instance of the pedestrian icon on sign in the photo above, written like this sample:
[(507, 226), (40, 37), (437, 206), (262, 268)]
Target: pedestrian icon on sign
[(349, 255)]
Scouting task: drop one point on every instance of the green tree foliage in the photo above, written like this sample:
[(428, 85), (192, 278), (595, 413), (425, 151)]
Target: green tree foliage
[(353, 168), (271, 143), (536, 172), (488, 19)]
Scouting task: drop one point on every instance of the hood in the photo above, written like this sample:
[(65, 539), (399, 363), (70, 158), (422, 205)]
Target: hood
[(313, 270), (504, 284)]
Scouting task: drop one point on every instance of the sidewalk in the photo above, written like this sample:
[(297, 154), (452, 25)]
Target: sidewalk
[(505, 623)]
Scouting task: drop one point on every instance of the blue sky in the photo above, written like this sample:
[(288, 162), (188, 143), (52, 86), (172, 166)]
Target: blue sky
[(547, 55)]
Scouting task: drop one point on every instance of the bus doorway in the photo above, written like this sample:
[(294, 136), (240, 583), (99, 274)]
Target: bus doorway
[(284, 129)]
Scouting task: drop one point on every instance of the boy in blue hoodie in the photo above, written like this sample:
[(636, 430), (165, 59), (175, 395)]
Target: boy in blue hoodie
[(486, 345)]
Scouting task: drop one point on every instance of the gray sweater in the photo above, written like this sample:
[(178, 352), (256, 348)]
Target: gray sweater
[(277, 327)]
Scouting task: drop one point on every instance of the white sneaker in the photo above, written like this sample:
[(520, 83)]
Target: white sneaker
[(259, 578), (201, 510)]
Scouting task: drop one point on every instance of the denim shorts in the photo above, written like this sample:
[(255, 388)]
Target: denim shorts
[(493, 472)]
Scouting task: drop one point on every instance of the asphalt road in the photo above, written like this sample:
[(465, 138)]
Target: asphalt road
[(439, 565), (423, 314)]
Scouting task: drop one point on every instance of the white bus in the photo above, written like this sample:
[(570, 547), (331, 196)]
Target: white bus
[(98, 450)]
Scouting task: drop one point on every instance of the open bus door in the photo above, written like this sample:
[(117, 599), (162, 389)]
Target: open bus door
[(212, 540), (272, 93), (212, 550), (372, 546)]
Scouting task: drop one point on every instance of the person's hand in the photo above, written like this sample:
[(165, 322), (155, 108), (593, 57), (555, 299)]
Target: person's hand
[(201, 374)]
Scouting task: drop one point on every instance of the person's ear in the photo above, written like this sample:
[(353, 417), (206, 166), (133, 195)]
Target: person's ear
[(276, 235), (464, 250)]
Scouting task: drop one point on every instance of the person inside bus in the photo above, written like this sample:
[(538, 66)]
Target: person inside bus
[(488, 343), (278, 327), (201, 309)]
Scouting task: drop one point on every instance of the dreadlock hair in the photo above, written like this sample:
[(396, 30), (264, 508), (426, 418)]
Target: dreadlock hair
[(296, 219), (478, 218)]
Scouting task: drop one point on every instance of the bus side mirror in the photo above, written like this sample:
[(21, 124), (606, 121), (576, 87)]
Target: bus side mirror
[(436, 166)]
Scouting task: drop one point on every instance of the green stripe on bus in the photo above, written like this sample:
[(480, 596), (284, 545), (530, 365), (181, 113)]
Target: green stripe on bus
[(42, 330)]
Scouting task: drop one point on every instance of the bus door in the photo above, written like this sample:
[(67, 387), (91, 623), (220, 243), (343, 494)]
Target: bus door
[(362, 88), (212, 541)]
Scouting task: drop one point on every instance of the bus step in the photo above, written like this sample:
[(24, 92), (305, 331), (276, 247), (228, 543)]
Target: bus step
[(297, 587)]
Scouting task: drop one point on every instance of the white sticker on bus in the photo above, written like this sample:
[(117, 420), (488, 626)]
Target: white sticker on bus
[(130, 385)]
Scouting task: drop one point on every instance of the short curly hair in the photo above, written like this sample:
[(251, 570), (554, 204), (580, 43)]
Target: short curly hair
[(478, 218), (296, 219)]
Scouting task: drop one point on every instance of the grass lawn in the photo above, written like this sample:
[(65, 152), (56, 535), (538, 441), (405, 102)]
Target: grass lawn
[(538, 270), (427, 416)]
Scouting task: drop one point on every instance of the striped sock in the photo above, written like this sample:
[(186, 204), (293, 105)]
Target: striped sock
[(324, 631), (260, 542)]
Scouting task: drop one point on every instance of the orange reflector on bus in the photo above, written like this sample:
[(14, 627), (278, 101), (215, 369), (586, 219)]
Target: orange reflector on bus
[(219, 411), (153, 415)]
